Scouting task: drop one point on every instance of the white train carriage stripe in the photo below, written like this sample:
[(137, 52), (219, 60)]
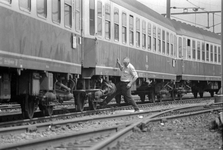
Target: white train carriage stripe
[(112, 68), (38, 58)]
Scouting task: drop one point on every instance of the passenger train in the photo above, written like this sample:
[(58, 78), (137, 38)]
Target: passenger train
[(57, 50)]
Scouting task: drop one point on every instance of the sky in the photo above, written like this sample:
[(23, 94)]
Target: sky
[(199, 20)]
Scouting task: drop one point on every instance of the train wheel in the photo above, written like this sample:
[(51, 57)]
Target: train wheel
[(118, 99), (151, 97), (80, 103), (195, 94), (201, 94), (29, 108), (142, 97), (48, 111), (92, 104)]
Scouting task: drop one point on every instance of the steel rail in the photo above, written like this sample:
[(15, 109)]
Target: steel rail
[(65, 139), (122, 134), (64, 111), (43, 126), (114, 132)]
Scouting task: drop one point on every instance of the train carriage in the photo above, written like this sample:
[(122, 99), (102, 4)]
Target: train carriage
[(199, 58), (117, 29), (39, 51), (56, 50)]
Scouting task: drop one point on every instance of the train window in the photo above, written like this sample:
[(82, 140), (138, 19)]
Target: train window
[(77, 15), (25, 5), (207, 52), (124, 29), (149, 36), (131, 29), (215, 54), (184, 47), (193, 49), (154, 38), (188, 49), (171, 43), (174, 45), (180, 54), (211, 53), (42, 8), (168, 43), (219, 54), (159, 40), (56, 11), (116, 24), (143, 34), (107, 21), (68, 13), (137, 32), (203, 51), (6, 1), (99, 19), (92, 16), (163, 39), (198, 50)]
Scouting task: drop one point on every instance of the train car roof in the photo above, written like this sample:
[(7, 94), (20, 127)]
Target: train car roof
[(196, 32), (146, 12)]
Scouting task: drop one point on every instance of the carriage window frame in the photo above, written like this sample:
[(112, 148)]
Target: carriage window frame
[(28, 9), (7, 2), (194, 50), (198, 50), (207, 52), (58, 20), (124, 28), (203, 51), (168, 44), (171, 45), (92, 17), (159, 39), (143, 34), (189, 48), (99, 17), (215, 54), (44, 15), (180, 48), (211, 53), (131, 30), (149, 38), (107, 21), (164, 41), (78, 15), (116, 24), (69, 6), (154, 38), (138, 42), (219, 54)]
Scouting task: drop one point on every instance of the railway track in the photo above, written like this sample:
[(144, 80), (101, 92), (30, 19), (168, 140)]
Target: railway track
[(63, 109), (108, 137), (14, 119)]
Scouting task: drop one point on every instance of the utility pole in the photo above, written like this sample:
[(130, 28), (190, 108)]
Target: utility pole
[(168, 9), (221, 49), (219, 98)]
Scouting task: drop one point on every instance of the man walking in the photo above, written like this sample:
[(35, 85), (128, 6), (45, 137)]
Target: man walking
[(128, 77)]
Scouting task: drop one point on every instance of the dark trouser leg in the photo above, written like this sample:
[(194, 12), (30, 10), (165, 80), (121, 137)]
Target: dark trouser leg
[(110, 97), (127, 95)]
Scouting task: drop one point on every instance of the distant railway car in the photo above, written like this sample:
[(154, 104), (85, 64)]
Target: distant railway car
[(198, 58), (40, 52)]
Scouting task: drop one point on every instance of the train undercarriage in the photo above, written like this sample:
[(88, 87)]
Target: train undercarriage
[(33, 89)]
